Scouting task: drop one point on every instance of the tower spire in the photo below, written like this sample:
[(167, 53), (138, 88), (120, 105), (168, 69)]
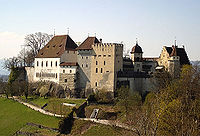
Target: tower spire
[(136, 41), (68, 31), (175, 42)]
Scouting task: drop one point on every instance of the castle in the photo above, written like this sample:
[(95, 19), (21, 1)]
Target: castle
[(95, 65)]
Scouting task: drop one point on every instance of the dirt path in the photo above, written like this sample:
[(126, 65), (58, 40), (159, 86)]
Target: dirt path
[(36, 108), (105, 122)]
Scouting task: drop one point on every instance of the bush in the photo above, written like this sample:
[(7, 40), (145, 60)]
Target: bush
[(101, 97), (91, 98), (65, 125)]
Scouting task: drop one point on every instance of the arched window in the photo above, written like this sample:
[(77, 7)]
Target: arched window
[(137, 59)]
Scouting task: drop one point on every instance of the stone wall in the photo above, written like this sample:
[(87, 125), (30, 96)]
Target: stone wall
[(30, 74), (140, 85), (68, 81), (84, 69), (105, 63), (69, 56)]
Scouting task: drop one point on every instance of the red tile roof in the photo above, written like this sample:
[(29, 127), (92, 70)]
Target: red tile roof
[(69, 64), (56, 47), (179, 52), (87, 44)]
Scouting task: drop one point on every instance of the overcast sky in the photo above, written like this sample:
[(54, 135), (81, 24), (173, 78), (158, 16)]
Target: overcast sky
[(154, 22)]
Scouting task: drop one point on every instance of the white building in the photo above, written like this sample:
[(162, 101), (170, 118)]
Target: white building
[(57, 58)]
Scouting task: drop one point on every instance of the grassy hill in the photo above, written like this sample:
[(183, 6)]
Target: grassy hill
[(14, 116)]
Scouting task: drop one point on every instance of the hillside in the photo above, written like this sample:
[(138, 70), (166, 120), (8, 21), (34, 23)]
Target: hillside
[(14, 116)]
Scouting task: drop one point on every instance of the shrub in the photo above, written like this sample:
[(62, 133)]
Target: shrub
[(104, 97), (65, 125)]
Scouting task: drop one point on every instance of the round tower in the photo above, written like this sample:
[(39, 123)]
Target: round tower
[(136, 56)]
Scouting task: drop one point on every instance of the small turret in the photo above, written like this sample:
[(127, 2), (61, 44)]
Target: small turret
[(136, 56)]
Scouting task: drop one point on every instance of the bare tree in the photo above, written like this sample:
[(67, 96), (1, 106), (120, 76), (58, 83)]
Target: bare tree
[(26, 57), (36, 41), (11, 62)]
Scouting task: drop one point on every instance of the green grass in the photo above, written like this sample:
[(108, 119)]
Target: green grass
[(14, 116), (39, 131), (54, 104), (103, 130)]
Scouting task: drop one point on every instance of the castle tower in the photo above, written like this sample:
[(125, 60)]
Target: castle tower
[(84, 56), (136, 56), (174, 63)]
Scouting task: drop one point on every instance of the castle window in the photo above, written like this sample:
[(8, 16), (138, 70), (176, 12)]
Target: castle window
[(101, 70), (104, 55), (42, 63), (109, 55), (56, 75), (96, 84), (99, 55), (104, 62), (82, 65), (63, 71), (65, 80), (96, 62), (137, 59), (74, 80), (46, 63), (70, 71), (86, 65), (51, 63), (37, 63), (82, 57), (67, 51), (86, 57), (56, 64), (96, 70)]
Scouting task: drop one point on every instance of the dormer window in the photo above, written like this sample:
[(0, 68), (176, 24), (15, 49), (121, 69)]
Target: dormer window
[(54, 45), (42, 53), (57, 53), (48, 46), (60, 45)]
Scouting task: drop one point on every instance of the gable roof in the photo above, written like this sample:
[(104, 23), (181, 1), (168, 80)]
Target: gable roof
[(87, 44), (179, 52), (57, 46)]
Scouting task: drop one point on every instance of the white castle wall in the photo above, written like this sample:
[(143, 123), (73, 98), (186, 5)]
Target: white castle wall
[(51, 68)]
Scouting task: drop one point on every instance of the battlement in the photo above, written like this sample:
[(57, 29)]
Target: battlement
[(106, 45)]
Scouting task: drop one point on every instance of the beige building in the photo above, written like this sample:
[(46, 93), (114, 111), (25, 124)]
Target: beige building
[(94, 65), (99, 63), (106, 62), (172, 58)]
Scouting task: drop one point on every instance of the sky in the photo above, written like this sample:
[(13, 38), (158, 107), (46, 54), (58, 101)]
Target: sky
[(154, 23)]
